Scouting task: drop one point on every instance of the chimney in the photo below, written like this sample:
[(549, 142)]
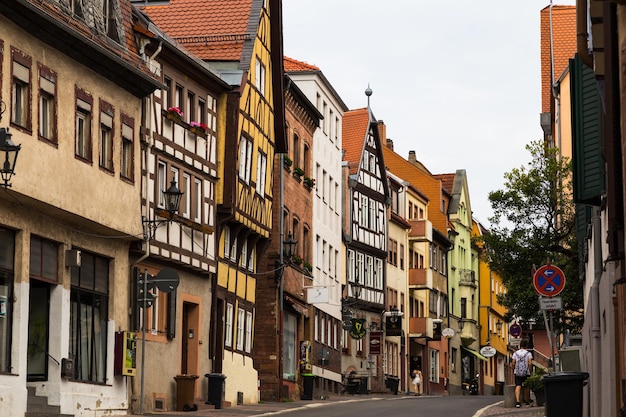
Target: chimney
[(412, 157), (389, 144), (382, 131)]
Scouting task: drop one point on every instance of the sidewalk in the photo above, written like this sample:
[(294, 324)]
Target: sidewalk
[(272, 408)]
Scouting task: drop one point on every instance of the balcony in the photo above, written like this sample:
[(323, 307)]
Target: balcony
[(421, 327), (420, 277), (467, 277), (421, 231)]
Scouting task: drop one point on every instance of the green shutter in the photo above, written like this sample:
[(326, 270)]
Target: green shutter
[(587, 162), (583, 221)]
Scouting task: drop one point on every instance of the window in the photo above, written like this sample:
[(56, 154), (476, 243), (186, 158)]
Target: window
[(241, 315), (47, 104), (261, 172), (43, 259), (259, 80), (7, 255), (185, 186), (226, 242), (126, 163), (89, 300), (434, 366), (289, 347), (179, 97), (228, 330), (197, 210), (161, 183), (110, 19), (249, 323), (245, 159), (106, 141), (84, 104), (191, 106), (20, 94), (463, 307), (202, 111)]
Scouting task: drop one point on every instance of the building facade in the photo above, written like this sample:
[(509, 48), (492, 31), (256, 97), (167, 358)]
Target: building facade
[(327, 245), (73, 95)]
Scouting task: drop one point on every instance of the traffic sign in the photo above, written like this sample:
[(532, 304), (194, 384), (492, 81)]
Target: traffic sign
[(551, 303), (549, 280), (515, 330)]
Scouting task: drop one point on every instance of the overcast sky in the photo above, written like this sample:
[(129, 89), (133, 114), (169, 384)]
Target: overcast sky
[(457, 81)]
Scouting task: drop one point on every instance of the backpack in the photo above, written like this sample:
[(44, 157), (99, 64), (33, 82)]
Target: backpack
[(521, 364)]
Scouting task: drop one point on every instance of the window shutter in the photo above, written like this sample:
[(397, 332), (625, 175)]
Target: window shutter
[(587, 162)]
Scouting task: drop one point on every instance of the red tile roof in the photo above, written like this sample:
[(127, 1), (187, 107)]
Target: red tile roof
[(355, 125), (447, 181), (293, 65), (214, 30)]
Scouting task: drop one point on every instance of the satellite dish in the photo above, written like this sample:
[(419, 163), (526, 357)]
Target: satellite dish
[(167, 280)]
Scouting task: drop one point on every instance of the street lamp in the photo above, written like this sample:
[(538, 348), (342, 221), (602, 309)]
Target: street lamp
[(498, 326), (289, 247), (172, 203), (10, 151)]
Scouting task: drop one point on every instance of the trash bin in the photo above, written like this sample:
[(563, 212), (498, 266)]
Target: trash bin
[(564, 393), (499, 388), (215, 393), (185, 392), (392, 383), (307, 387)]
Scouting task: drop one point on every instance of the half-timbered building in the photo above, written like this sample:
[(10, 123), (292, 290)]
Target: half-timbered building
[(242, 39), (179, 147), (365, 235)]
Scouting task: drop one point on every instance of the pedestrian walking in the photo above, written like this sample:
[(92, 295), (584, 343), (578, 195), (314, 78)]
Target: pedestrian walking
[(417, 381), (522, 364)]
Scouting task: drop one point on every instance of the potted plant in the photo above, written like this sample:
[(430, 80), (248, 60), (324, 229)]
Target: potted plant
[(309, 182), (287, 162), (298, 172), (175, 114), (308, 266), (198, 128), (535, 384)]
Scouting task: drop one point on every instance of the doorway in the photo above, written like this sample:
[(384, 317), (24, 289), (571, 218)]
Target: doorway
[(38, 331), (190, 337)]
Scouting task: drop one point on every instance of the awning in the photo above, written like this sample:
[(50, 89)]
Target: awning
[(473, 352)]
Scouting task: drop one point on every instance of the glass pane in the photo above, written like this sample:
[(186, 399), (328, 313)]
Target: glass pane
[(50, 260), (35, 256), (6, 285), (7, 249), (102, 276), (87, 273)]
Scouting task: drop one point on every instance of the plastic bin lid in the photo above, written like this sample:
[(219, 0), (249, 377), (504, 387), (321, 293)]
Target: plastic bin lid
[(307, 374), (215, 375), (565, 376)]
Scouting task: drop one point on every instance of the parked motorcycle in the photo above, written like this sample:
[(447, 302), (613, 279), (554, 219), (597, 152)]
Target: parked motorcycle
[(473, 386), (470, 386)]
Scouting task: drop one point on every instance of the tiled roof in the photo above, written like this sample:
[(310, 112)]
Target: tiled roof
[(429, 185), (447, 181), (355, 125), (564, 44), (214, 30), (293, 65)]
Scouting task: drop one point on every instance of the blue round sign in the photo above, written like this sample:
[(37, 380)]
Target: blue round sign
[(549, 280), (515, 330)]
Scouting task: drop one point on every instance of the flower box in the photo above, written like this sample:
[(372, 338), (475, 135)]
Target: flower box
[(174, 114), (199, 129)]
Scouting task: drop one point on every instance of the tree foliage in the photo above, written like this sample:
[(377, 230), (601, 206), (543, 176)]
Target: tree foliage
[(532, 225)]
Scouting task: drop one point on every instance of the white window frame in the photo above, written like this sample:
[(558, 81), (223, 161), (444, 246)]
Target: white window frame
[(245, 159), (261, 173), (241, 320), (228, 325), (249, 323), (259, 80)]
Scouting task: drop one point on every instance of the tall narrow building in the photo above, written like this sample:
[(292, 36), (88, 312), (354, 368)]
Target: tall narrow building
[(242, 39)]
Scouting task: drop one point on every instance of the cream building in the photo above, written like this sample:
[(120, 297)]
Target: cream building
[(73, 101)]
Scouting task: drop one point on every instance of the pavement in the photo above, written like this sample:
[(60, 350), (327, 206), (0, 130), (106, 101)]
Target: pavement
[(497, 409)]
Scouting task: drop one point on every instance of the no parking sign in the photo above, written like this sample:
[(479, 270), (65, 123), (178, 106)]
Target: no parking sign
[(549, 280)]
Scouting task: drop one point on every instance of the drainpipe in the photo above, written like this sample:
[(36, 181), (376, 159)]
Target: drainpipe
[(582, 36), (596, 342)]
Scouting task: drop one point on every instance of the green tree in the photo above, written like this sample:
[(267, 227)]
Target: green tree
[(533, 224)]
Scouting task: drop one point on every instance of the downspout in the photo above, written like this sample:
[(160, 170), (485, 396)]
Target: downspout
[(582, 36), (596, 342)]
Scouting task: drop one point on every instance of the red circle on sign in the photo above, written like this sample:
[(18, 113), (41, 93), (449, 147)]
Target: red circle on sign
[(515, 330), (549, 280)]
